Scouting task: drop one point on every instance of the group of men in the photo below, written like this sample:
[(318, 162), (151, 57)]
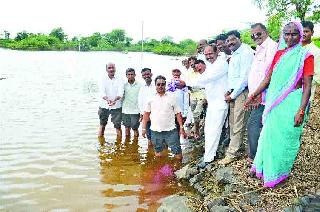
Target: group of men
[(221, 76)]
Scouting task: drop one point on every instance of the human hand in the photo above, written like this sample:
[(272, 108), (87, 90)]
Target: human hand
[(144, 132), (228, 99), (227, 94), (298, 118), (183, 133), (252, 102)]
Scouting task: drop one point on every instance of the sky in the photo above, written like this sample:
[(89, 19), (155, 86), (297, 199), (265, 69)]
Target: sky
[(178, 19)]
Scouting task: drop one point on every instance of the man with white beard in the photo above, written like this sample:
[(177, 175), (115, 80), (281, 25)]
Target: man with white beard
[(214, 77)]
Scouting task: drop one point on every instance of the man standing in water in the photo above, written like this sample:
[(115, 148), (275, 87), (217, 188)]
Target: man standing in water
[(130, 109), (111, 92), (162, 109), (145, 93)]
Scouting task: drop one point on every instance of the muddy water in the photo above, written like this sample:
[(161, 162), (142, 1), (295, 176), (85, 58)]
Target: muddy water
[(50, 157)]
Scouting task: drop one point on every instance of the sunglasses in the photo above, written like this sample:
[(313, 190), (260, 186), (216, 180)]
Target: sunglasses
[(161, 84), (256, 35)]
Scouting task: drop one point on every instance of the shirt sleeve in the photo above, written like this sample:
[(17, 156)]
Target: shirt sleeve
[(185, 104), (148, 107), (308, 68), (140, 100), (175, 105), (120, 89), (245, 65), (103, 89)]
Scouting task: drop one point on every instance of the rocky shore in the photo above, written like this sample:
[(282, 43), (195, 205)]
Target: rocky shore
[(231, 188)]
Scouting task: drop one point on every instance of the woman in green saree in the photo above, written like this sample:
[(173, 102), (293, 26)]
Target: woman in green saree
[(286, 92)]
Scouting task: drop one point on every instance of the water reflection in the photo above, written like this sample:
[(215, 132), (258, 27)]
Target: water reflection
[(140, 179)]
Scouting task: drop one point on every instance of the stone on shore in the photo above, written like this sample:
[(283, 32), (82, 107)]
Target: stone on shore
[(174, 203)]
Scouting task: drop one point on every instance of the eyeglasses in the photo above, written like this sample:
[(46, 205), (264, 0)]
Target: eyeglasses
[(256, 35), (161, 84)]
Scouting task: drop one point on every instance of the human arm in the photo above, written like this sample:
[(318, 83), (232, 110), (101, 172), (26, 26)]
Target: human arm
[(244, 66), (308, 71), (145, 119), (180, 122)]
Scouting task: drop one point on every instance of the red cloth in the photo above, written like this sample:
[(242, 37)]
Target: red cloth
[(308, 69)]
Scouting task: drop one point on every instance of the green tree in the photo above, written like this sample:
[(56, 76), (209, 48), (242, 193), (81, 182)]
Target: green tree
[(22, 35), (167, 40), (118, 38), (303, 9), (58, 33)]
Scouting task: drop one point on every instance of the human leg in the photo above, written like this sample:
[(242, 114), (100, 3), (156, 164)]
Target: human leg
[(157, 142), (254, 127), (213, 127), (116, 118), (103, 114), (172, 140)]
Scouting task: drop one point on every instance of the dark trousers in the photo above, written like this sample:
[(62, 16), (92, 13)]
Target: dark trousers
[(254, 127)]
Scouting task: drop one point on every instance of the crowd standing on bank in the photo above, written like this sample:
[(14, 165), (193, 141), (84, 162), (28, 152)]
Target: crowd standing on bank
[(227, 88)]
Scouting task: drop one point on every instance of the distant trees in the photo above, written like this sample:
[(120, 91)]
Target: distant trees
[(58, 33), (302, 9)]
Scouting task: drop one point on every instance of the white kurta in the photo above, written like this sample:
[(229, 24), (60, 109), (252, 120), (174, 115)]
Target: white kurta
[(215, 81)]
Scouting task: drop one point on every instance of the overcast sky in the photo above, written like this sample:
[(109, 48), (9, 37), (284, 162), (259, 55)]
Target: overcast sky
[(179, 19)]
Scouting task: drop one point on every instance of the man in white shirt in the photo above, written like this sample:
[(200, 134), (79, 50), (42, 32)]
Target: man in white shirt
[(111, 92), (162, 109), (239, 67), (213, 77), (130, 109), (200, 48), (146, 92), (265, 51)]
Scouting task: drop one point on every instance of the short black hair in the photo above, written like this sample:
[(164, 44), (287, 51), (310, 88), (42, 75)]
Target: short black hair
[(146, 69), (199, 61), (176, 70), (159, 77), (192, 58), (222, 36), (130, 70), (233, 32), (307, 24), (263, 27), (212, 42)]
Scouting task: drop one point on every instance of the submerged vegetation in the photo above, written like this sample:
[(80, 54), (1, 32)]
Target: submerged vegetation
[(116, 40)]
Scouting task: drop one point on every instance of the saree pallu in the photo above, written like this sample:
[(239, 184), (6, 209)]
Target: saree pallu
[(279, 140)]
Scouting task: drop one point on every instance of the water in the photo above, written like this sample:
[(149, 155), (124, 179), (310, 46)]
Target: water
[(50, 157)]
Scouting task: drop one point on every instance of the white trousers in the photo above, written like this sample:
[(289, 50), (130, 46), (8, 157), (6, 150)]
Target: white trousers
[(215, 118)]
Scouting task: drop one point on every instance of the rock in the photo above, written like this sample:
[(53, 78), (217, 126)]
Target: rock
[(216, 202), (191, 172), (200, 189), (228, 189), (196, 178), (222, 209), (225, 175), (174, 203), (182, 173)]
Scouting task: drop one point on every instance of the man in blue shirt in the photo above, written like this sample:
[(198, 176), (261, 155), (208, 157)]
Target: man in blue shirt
[(239, 67)]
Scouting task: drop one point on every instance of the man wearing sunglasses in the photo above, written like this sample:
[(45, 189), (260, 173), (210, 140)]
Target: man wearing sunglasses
[(162, 109), (265, 51)]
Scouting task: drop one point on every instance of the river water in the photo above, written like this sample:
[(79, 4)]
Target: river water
[(50, 157)]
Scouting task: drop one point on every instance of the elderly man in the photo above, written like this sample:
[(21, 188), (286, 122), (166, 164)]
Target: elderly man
[(308, 44), (265, 51), (162, 109), (213, 76), (239, 67), (130, 109), (111, 93), (200, 48)]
